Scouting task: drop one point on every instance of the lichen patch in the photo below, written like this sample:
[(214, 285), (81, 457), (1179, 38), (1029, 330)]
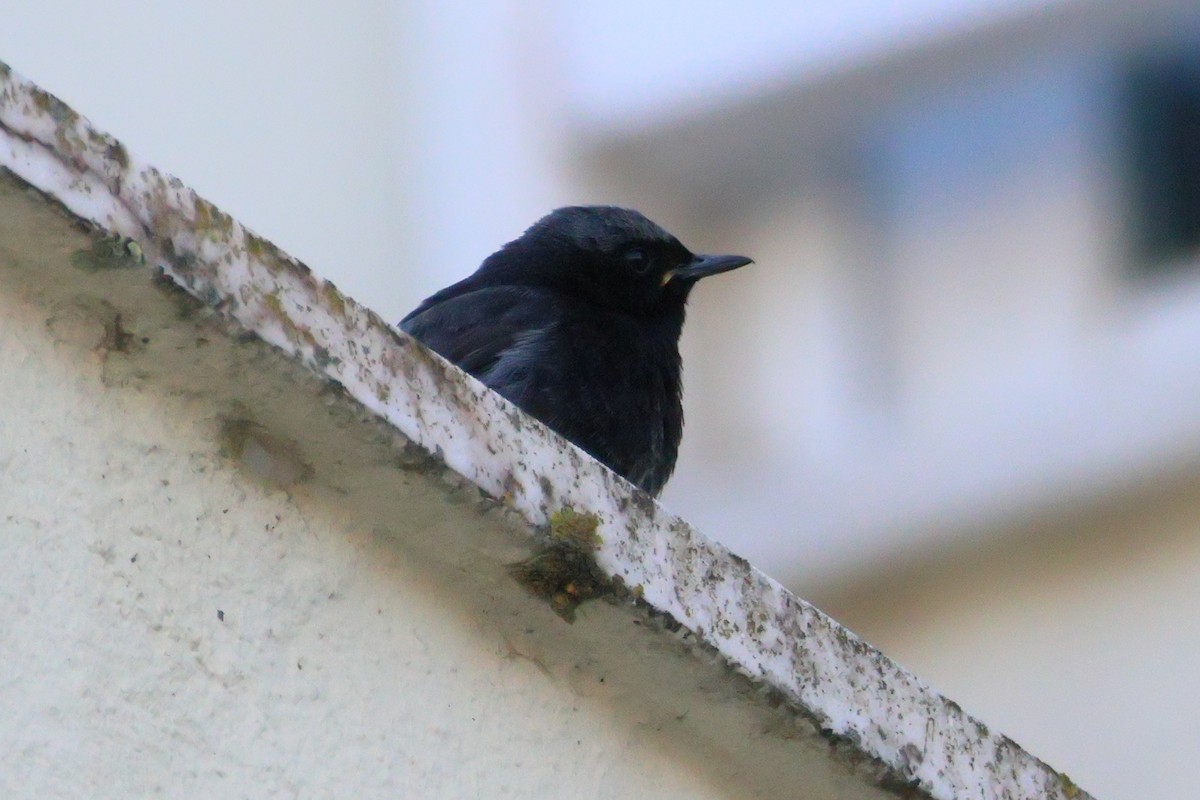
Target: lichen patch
[(564, 571)]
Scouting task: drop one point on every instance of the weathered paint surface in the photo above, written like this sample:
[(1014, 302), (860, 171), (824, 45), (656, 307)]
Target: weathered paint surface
[(880, 717)]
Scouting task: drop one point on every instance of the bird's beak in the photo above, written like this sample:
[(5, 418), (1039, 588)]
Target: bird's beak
[(703, 266)]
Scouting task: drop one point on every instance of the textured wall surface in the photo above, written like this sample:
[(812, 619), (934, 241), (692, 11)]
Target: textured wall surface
[(181, 623), (221, 578)]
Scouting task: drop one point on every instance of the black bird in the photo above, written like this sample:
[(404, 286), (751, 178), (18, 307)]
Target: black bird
[(577, 322)]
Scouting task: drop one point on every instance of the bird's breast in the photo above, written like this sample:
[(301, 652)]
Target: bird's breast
[(627, 405)]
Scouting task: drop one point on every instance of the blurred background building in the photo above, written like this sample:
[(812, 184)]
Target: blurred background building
[(956, 403)]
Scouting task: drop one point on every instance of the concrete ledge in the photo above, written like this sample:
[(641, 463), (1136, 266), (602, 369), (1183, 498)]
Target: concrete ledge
[(854, 713)]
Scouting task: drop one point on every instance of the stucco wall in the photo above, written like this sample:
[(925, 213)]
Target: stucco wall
[(220, 576), (176, 625)]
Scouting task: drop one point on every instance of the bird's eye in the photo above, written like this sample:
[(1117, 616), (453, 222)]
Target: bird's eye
[(638, 259)]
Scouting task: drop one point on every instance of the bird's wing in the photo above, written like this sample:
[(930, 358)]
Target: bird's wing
[(475, 329)]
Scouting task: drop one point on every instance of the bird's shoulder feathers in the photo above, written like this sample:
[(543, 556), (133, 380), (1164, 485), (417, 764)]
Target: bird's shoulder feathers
[(475, 328)]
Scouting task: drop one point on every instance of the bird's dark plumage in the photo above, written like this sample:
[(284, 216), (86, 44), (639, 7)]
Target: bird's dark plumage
[(577, 322)]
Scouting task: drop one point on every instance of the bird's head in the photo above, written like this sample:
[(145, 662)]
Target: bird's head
[(614, 257)]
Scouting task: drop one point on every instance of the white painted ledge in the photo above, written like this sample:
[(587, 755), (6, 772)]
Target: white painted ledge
[(885, 725)]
